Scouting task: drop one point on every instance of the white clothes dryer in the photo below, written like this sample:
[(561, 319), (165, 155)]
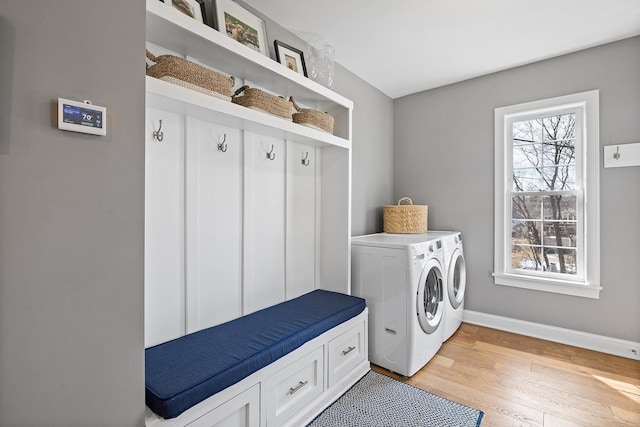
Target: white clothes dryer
[(401, 276), (455, 279)]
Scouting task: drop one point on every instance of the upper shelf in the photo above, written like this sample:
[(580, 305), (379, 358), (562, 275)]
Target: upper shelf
[(185, 36), (170, 97)]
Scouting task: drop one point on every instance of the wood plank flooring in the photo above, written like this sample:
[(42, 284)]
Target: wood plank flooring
[(522, 381)]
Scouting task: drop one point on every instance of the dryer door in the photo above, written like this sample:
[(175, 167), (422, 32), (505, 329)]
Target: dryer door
[(457, 278), (430, 296)]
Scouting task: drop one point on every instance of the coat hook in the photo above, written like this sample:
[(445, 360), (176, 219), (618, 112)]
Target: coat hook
[(271, 155), (305, 160), (616, 155), (222, 146), (157, 134)]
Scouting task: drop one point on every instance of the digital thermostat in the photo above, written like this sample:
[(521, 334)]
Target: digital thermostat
[(81, 117)]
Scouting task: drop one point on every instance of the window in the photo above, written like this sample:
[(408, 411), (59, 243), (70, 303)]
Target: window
[(547, 233)]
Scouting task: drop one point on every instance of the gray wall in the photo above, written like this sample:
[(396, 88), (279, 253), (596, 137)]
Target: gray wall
[(71, 215), (444, 155), (372, 151)]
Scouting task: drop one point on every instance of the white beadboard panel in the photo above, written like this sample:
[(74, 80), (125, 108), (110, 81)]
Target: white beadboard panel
[(214, 224), (302, 212), (164, 268), (264, 223), (335, 270)]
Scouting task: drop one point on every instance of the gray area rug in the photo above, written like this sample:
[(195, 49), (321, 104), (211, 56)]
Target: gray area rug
[(378, 400)]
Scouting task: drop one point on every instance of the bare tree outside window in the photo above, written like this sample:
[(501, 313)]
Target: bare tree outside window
[(544, 201)]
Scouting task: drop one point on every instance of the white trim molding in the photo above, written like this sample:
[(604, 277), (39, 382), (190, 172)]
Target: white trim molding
[(549, 285), (585, 281), (615, 346)]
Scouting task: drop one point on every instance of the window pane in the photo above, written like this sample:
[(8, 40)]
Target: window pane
[(526, 233), (560, 207), (559, 178), (562, 152), (527, 131), (560, 234), (559, 127), (526, 207), (526, 156), (526, 258), (552, 260), (526, 180), (560, 260)]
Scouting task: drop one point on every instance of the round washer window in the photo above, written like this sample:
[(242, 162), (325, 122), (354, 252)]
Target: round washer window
[(457, 280), (429, 298)]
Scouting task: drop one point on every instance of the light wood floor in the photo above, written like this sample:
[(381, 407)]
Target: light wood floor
[(521, 381)]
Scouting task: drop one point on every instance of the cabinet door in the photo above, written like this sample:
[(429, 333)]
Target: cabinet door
[(164, 228), (264, 210), (213, 224), (288, 391), (303, 228), (345, 353), (242, 410)]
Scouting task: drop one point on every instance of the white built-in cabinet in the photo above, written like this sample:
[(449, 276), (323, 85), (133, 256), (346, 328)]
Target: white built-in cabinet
[(231, 232)]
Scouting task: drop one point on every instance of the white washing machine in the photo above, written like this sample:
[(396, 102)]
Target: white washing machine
[(455, 279), (401, 276)]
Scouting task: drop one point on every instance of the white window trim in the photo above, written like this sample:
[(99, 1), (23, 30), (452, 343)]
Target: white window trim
[(589, 287)]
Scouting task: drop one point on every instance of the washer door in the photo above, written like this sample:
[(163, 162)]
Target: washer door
[(457, 279), (430, 296)]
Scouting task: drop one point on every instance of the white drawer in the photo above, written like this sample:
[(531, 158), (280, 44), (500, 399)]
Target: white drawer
[(242, 410), (345, 353), (289, 390)]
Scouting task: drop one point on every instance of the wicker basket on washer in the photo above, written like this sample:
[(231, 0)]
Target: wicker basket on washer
[(312, 118), (405, 219), (181, 72), (262, 101)]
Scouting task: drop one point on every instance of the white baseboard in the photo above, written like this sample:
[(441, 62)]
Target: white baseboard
[(586, 340)]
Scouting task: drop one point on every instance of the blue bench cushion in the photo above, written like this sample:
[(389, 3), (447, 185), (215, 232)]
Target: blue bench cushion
[(189, 369)]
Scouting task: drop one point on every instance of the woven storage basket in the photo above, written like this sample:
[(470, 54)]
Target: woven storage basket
[(187, 74), (262, 101), (405, 219), (312, 118)]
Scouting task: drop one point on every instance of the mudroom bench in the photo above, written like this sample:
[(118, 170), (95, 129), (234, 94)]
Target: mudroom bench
[(281, 365)]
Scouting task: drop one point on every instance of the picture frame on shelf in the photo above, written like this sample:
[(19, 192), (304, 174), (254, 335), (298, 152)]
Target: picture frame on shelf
[(290, 57), (192, 8), (241, 25)]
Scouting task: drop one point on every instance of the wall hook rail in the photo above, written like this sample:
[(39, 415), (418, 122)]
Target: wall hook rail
[(271, 155), (222, 146), (305, 159), (622, 155), (158, 135)]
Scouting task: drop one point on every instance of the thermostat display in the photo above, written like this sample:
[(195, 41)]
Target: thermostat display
[(81, 117)]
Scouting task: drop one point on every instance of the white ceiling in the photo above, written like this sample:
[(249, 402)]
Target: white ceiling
[(406, 46)]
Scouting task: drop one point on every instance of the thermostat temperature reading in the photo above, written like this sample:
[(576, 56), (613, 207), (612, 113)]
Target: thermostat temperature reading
[(81, 117)]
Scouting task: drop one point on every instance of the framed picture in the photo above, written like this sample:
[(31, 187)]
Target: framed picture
[(290, 57), (241, 25), (192, 8)]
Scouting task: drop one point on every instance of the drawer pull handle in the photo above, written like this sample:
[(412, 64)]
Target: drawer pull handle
[(347, 351), (298, 387), (391, 331)]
